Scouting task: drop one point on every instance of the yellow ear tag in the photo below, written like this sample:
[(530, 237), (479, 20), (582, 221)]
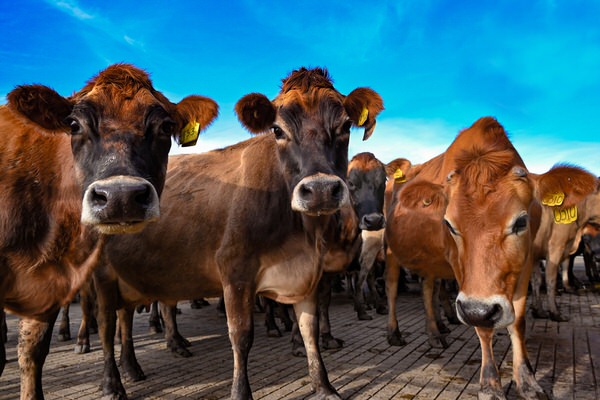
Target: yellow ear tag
[(565, 215), (363, 116), (189, 134), (553, 199), (399, 176)]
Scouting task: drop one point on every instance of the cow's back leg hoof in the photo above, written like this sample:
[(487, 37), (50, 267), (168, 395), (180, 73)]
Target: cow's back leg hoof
[(63, 336), (558, 317), (443, 328), (298, 350), (539, 313), (135, 373), (394, 338), (381, 310), (273, 332), (363, 315), (82, 348), (328, 342), (490, 393)]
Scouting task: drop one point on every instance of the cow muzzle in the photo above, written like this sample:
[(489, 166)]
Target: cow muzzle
[(489, 312), (320, 194), (120, 204), (372, 222)]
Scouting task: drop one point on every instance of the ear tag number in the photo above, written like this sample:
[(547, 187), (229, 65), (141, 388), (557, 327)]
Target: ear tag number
[(565, 215), (189, 134), (553, 199)]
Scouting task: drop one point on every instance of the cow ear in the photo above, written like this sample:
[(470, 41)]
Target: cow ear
[(256, 112), (563, 186), (41, 105), (363, 105), (195, 113), (398, 169)]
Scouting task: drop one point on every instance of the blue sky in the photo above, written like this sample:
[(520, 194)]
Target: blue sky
[(439, 65)]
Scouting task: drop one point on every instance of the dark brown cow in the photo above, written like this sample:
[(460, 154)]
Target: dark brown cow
[(253, 218), (557, 238), (484, 210), (108, 173), (591, 250)]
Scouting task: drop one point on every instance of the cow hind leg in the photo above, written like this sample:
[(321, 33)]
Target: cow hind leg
[(392, 275), (34, 345), (271, 325), (306, 315), (537, 309), (176, 343), (64, 329), (551, 277), (432, 311)]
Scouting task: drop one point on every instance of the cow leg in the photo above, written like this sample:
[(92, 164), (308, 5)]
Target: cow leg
[(432, 311), (392, 275), (175, 342), (573, 283), (64, 329), (449, 309), (359, 296), (128, 360), (88, 323), (3, 339), (308, 323), (489, 378), (34, 345), (107, 296), (327, 340), (272, 328), (536, 283), (523, 375), (551, 275), (239, 306), (154, 320), (298, 349)]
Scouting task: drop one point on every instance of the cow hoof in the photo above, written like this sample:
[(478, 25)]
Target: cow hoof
[(539, 313), (298, 351), (332, 343), (438, 342), (381, 310), (443, 328), (490, 393), (180, 351), (558, 317), (453, 320), (274, 333), (533, 393), (114, 397), (330, 396), (155, 327), (82, 348), (363, 316), (396, 339), (64, 336)]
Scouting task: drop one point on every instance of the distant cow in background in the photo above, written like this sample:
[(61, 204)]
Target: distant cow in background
[(254, 218), (483, 209), (556, 239), (76, 169)]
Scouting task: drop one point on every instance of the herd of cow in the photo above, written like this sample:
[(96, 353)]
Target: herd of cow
[(91, 200)]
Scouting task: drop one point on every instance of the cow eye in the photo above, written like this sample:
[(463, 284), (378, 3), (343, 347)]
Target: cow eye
[(278, 132), (346, 127), (450, 227), (75, 126), (168, 127), (520, 224)]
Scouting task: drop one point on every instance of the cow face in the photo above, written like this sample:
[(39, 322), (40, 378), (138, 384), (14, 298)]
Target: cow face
[(591, 240), (366, 182), (490, 220), (310, 122), (121, 130)]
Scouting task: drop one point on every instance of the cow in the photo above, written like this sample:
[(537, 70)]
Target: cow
[(481, 207), (257, 217), (77, 170), (590, 239), (556, 239)]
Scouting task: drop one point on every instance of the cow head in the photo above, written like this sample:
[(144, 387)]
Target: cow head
[(366, 182), (591, 239), (121, 130), (310, 122), (491, 219)]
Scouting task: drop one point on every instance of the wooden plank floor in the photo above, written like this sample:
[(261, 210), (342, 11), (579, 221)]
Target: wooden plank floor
[(566, 357)]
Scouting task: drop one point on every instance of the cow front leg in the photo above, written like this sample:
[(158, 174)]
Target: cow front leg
[(308, 324), (536, 301), (551, 276), (34, 345), (175, 342), (128, 359), (523, 375), (3, 339), (392, 275), (327, 339), (489, 378), (239, 306)]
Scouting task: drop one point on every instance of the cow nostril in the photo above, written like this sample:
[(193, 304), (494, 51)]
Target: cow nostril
[(337, 190), (99, 197), (143, 196), (305, 191)]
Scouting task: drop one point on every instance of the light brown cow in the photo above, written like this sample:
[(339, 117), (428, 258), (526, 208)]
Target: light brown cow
[(482, 209), (254, 218), (558, 237), (108, 173)]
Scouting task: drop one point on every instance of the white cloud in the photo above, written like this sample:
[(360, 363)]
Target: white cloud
[(72, 8)]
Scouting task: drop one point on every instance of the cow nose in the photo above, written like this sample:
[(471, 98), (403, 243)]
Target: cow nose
[(372, 222), (320, 194), (479, 313), (119, 201)]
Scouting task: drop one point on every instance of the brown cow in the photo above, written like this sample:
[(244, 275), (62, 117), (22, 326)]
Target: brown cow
[(253, 218), (557, 238), (107, 174), (481, 207)]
